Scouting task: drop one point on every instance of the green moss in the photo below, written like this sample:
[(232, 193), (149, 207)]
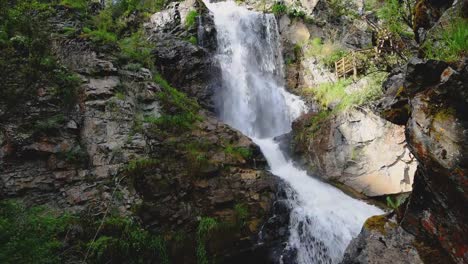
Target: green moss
[(445, 114), (191, 18), (120, 95), (377, 223)]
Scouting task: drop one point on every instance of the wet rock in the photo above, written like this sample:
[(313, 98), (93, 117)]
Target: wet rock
[(382, 241), (358, 149), (187, 66)]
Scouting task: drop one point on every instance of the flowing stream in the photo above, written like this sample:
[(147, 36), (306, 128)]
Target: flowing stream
[(253, 100)]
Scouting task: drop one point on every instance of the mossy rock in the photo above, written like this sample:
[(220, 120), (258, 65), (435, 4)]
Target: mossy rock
[(379, 223)]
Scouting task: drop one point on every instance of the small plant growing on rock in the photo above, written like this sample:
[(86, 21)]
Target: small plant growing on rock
[(205, 226), (137, 165), (278, 9), (453, 43), (191, 18), (242, 152)]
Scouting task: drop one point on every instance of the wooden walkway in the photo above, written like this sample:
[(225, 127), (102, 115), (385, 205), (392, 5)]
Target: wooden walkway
[(349, 64)]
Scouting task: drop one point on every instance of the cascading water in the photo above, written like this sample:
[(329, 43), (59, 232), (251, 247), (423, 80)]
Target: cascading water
[(253, 100)]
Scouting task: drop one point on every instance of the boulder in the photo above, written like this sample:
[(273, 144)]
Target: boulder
[(359, 149), (382, 241)]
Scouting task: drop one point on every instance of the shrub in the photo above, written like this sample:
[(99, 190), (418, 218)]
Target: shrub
[(327, 53), (453, 42), (136, 49), (191, 18), (193, 40), (397, 16), (80, 5), (205, 227), (26, 61), (100, 36), (122, 240), (31, 235), (296, 12), (278, 9)]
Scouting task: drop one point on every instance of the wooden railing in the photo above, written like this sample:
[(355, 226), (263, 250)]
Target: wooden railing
[(349, 64)]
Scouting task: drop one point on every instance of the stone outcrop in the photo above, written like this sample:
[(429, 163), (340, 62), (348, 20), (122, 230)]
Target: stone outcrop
[(427, 14), (190, 66), (359, 149), (382, 241), (436, 134)]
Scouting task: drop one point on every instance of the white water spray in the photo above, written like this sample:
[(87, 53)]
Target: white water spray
[(253, 99)]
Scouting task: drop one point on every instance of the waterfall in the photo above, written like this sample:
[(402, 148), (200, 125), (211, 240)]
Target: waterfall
[(253, 100)]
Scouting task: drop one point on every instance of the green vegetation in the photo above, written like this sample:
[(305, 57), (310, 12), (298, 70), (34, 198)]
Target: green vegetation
[(326, 52), (197, 154), (76, 155), (33, 235), (50, 124), (242, 212), (191, 18), (136, 49), (241, 152), (278, 9), (452, 44), (80, 5), (26, 61), (180, 111), (193, 40), (394, 204), (139, 165), (122, 240), (205, 227), (41, 235), (100, 36), (336, 94), (397, 16)]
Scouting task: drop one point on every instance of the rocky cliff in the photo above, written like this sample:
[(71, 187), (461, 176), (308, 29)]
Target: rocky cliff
[(131, 144), (434, 215)]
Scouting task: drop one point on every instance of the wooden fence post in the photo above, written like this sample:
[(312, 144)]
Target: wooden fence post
[(354, 66)]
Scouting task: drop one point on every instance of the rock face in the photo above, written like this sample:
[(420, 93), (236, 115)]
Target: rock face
[(185, 64), (358, 149), (426, 15), (382, 241), (111, 150), (436, 134)]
